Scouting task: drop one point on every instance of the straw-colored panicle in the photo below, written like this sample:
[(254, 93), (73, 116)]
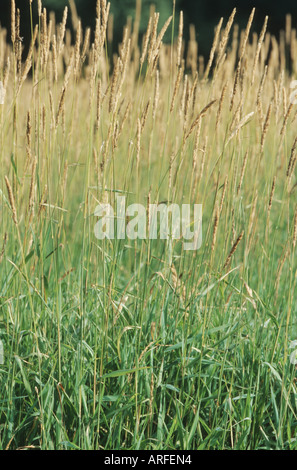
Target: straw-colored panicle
[(196, 146), (28, 62), (126, 115), (145, 114), (233, 250), (215, 228), (39, 8), (11, 201), (184, 96), (190, 99), (260, 90), (235, 86), (86, 45), (180, 38), (271, 196), (246, 35), (292, 161), (115, 137), (266, 126), (43, 38), (77, 56), (126, 52), (105, 7), (286, 118), (224, 40), (174, 277), (13, 24), (240, 125), (153, 37), (98, 10), (60, 106), (28, 141), (200, 116), (213, 48), (259, 46), (62, 31), (241, 56), (18, 43), (176, 88), (155, 51), (114, 83)]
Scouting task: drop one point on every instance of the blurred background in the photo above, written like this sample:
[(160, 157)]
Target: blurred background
[(204, 15)]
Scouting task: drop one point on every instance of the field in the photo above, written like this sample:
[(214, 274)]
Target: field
[(141, 344)]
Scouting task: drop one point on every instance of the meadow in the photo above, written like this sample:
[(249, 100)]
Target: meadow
[(139, 344)]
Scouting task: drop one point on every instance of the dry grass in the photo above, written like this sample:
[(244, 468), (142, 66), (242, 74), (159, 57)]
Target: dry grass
[(78, 127)]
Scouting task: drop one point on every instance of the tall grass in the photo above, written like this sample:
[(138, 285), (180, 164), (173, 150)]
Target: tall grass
[(139, 344)]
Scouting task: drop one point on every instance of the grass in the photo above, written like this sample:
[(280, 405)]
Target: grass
[(139, 344)]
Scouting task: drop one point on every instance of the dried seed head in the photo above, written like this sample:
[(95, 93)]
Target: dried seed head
[(259, 46), (233, 250), (271, 196), (213, 48), (292, 161), (176, 88), (246, 35), (62, 31), (180, 38), (11, 201), (39, 8), (223, 43), (13, 27)]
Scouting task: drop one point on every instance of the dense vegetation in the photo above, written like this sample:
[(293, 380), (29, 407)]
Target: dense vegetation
[(138, 344)]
